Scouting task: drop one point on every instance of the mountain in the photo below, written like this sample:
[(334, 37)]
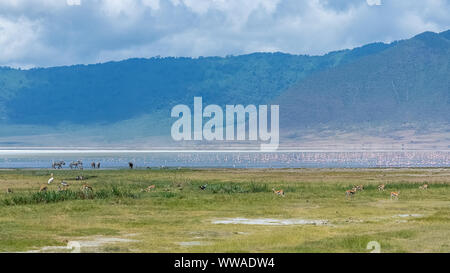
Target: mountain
[(399, 86), (114, 91), (407, 82)]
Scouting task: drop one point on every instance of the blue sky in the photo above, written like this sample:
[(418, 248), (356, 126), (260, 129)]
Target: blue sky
[(63, 32)]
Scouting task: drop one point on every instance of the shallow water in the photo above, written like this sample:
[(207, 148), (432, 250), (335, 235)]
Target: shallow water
[(279, 159), (193, 243), (270, 222), (91, 244), (409, 215)]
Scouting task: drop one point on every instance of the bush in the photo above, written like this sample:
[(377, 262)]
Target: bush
[(59, 196)]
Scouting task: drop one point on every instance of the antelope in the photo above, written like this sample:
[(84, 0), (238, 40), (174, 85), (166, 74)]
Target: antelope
[(43, 188), (279, 192), (394, 195), (359, 188), (8, 190), (86, 187), (350, 193), (203, 187), (149, 188), (381, 187), (424, 187)]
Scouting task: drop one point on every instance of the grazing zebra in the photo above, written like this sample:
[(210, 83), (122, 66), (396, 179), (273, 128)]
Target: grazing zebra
[(76, 164), (58, 164)]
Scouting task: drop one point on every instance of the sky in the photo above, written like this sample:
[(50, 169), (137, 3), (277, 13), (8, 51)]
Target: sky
[(43, 33)]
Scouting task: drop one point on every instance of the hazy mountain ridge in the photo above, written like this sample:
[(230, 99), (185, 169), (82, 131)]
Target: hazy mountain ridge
[(348, 91), (408, 82), (114, 91)]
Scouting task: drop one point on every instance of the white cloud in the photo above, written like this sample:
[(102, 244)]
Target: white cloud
[(54, 33), (154, 4), (73, 2), (16, 36), (373, 2)]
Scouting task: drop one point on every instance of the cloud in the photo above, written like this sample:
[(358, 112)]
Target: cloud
[(73, 2), (52, 32), (373, 2)]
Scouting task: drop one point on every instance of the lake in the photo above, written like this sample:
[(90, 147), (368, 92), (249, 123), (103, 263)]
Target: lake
[(224, 159)]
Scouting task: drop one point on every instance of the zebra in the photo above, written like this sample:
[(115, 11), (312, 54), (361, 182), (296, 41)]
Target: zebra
[(76, 164), (58, 164)]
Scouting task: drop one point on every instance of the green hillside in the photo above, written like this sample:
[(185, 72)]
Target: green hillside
[(374, 85)]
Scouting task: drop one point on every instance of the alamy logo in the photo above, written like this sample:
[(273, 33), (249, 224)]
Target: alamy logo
[(233, 128)]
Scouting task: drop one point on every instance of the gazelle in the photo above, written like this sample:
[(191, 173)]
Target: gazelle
[(424, 187), (395, 194), (149, 188), (359, 188), (86, 187), (381, 187), (279, 192), (43, 188), (350, 193)]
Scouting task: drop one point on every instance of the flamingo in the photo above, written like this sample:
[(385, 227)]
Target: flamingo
[(51, 179)]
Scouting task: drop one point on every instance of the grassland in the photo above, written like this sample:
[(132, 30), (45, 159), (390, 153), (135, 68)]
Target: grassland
[(179, 217)]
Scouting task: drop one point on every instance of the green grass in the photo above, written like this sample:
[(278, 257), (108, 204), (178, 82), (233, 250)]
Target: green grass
[(177, 210), (67, 195)]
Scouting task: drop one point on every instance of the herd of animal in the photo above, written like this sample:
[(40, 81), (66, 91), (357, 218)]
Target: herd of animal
[(382, 187), (74, 165), (350, 193), (79, 165), (64, 185)]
